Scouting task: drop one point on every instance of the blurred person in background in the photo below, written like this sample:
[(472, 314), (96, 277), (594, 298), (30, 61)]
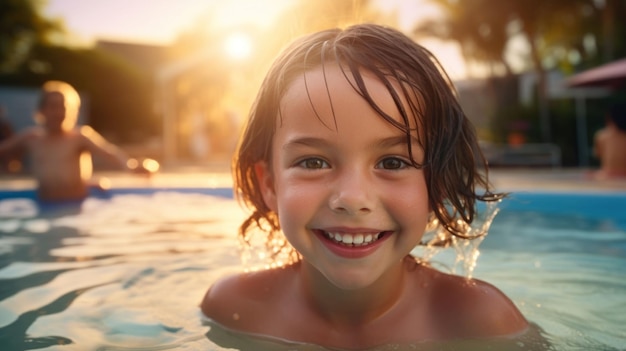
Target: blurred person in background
[(610, 144), (60, 152), (8, 162)]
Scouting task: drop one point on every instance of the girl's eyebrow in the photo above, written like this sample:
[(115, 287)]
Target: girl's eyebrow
[(305, 141), (384, 143), (397, 140)]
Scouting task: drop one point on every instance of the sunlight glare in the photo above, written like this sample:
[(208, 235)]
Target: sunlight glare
[(238, 46)]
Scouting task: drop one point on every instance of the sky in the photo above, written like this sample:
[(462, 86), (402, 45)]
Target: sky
[(161, 21), (152, 21)]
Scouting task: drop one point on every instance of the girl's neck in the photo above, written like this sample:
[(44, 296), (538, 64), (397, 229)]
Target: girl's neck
[(350, 307)]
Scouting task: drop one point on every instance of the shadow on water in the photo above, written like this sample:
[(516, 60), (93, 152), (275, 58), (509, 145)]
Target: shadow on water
[(13, 337), (37, 247), (12, 286), (31, 247)]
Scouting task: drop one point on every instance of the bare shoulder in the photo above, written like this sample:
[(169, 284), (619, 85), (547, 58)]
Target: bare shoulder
[(26, 136), (88, 137), (475, 308), (244, 300), (85, 132), (32, 133)]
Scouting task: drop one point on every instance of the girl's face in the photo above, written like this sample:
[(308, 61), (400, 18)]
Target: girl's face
[(341, 180)]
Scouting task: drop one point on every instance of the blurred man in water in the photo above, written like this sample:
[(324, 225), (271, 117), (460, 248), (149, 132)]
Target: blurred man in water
[(59, 151)]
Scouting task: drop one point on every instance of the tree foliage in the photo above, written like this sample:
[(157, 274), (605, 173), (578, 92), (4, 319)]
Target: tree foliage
[(480, 31), (21, 28), (560, 34)]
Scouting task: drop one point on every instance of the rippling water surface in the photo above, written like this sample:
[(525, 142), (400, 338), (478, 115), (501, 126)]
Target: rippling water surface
[(127, 272)]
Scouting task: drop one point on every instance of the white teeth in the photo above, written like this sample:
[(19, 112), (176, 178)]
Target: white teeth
[(358, 239)]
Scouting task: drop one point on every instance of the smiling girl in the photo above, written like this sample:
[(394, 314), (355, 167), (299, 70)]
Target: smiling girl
[(356, 142)]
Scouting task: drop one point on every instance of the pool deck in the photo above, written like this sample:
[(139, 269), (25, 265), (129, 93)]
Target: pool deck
[(554, 180), (212, 176)]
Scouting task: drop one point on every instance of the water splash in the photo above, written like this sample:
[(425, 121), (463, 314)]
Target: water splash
[(256, 254), (437, 239)]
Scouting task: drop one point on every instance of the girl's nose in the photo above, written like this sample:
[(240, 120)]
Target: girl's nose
[(351, 194)]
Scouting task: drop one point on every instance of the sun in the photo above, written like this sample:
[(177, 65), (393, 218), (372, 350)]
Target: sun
[(238, 46)]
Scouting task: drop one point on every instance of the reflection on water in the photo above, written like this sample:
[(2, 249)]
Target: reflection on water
[(128, 272)]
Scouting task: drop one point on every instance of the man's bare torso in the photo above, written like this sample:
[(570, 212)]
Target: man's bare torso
[(56, 164)]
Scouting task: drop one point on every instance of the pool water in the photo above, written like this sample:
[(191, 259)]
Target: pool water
[(125, 270), (562, 259)]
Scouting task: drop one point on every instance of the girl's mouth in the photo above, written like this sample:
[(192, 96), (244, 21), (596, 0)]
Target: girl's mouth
[(352, 245), (354, 239)]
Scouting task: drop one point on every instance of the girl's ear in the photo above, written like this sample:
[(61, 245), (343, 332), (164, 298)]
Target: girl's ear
[(266, 184)]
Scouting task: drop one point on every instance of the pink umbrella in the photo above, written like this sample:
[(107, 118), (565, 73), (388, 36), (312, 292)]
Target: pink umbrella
[(612, 74)]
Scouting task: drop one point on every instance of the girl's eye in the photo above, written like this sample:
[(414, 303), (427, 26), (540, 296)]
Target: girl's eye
[(392, 163), (313, 163)]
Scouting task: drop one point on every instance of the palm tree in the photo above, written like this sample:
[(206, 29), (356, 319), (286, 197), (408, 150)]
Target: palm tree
[(478, 29)]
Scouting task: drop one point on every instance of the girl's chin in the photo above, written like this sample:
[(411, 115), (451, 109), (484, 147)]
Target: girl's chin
[(352, 275)]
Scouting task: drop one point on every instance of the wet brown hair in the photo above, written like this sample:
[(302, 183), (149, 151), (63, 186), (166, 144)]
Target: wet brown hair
[(452, 159)]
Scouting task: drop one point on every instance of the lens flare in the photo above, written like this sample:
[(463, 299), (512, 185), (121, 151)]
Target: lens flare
[(238, 46)]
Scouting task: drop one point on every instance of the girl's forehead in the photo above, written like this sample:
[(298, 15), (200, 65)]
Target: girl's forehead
[(334, 74), (328, 84)]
